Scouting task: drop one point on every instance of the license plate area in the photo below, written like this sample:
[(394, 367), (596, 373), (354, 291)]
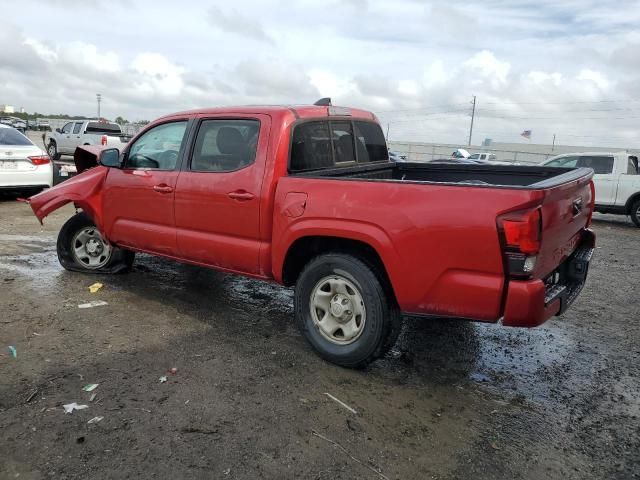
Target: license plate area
[(8, 165)]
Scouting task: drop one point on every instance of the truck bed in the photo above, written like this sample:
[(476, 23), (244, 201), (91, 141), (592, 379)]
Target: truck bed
[(509, 176)]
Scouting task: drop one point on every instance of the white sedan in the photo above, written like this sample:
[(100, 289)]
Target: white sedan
[(24, 167)]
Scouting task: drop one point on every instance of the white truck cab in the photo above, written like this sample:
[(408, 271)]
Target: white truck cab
[(63, 141), (616, 178), (483, 157)]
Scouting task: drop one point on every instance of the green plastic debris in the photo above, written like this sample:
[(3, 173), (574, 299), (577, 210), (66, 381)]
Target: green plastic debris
[(90, 387), (13, 351)]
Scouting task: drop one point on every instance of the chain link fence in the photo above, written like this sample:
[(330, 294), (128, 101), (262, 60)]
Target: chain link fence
[(425, 152)]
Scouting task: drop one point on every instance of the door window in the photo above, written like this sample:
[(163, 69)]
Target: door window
[(601, 165), (158, 148), (76, 127), (67, 128), (225, 145)]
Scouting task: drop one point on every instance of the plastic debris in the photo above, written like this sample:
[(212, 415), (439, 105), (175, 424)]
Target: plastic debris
[(95, 420), (95, 303), (341, 403), (163, 379), (173, 371), (13, 351), (95, 287), (70, 407), (93, 397), (90, 387)]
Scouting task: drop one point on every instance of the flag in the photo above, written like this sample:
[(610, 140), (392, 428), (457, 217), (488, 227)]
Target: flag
[(526, 134)]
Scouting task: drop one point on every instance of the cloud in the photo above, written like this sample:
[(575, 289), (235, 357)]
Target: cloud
[(235, 23)]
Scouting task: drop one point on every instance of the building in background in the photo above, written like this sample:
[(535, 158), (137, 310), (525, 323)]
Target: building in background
[(7, 109)]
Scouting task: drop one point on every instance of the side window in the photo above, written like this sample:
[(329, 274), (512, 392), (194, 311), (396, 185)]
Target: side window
[(342, 135), (370, 143), (632, 167), (77, 127), (67, 128), (600, 165), (158, 148), (225, 145), (311, 146)]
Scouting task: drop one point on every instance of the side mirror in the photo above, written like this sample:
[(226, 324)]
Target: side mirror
[(110, 157), (58, 130)]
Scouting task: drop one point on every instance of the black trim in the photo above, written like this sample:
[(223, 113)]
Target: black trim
[(615, 209)]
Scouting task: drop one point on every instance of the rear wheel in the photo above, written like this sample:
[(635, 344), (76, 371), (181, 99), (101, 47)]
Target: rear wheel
[(82, 248), (52, 151), (344, 312), (635, 213)]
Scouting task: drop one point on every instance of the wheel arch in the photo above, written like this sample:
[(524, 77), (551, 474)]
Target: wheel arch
[(632, 199)]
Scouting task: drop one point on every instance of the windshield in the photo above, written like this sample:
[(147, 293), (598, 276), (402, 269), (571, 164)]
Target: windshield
[(10, 136)]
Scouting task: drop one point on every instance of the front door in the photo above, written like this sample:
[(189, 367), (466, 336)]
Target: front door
[(64, 138), (138, 199), (218, 193)]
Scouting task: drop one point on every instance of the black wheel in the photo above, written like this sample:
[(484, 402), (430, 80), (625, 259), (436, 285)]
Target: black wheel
[(52, 151), (81, 248), (635, 213), (344, 311)]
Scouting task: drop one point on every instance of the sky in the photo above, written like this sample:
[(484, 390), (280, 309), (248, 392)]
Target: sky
[(569, 68)]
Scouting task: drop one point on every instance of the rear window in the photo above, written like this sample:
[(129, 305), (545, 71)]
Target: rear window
[(325, 144), (10, 136), (98, 127)]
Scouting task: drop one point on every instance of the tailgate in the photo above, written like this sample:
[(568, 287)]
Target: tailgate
[(566, 211)]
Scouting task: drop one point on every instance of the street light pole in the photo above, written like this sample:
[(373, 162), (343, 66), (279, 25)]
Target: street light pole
[(99, 97), (473, 115)]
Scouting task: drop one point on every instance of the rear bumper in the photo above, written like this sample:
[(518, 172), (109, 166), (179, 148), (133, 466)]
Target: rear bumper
[(531, 303)]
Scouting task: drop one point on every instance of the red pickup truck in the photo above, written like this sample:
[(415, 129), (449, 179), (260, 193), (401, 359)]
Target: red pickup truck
[(306, 196)]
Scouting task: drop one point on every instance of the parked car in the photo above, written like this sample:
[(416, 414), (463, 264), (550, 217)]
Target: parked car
[(24, 167), (43, 125), (483, 157), (616, 178), (306, 196), (460, 153), (88, 132), (397, 157), (14, 122)]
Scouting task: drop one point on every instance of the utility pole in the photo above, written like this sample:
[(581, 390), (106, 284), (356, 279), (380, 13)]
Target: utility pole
[(99, 97), (388, 132), (473, 115), (554, 142)]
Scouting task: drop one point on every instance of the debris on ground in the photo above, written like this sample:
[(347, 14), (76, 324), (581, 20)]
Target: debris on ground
[(95, 303), (13, 351), (70, 407), (31, 396), (341, 403), (90, 387), (95, 287), (336, 444), (93, 397), (173, 371), (163, 379), (95, 420)]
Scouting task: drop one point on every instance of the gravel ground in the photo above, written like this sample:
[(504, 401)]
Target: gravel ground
[(453, 400)]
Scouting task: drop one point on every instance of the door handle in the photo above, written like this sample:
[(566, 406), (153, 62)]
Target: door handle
[(241, 195), (163, 188)]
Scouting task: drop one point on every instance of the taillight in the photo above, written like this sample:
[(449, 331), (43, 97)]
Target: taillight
[(521, 236), (104, 140), (522, 233), (592, 203), (39, 160)]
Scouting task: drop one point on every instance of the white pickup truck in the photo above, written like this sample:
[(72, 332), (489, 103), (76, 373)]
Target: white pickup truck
[(616, 178), (63, 141)]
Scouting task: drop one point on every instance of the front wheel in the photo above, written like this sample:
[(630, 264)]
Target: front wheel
[(344, 311), (635, 213), (52, 151), (81, 248)]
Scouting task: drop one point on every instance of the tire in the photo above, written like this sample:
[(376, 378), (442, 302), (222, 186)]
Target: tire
[(52, 151), (81, 248), (333, 329), (635, 213)]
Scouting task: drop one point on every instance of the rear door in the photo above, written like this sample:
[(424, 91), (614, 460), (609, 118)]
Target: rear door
[(605, 181), (138, 199), (217, 204)]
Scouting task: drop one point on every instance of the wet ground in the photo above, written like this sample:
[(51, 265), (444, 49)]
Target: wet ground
[(453, 400)]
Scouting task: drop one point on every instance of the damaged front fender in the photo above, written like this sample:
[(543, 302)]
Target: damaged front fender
[(84, 190)]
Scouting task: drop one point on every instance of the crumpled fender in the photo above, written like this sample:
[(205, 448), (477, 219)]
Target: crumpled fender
[(84, 190)]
